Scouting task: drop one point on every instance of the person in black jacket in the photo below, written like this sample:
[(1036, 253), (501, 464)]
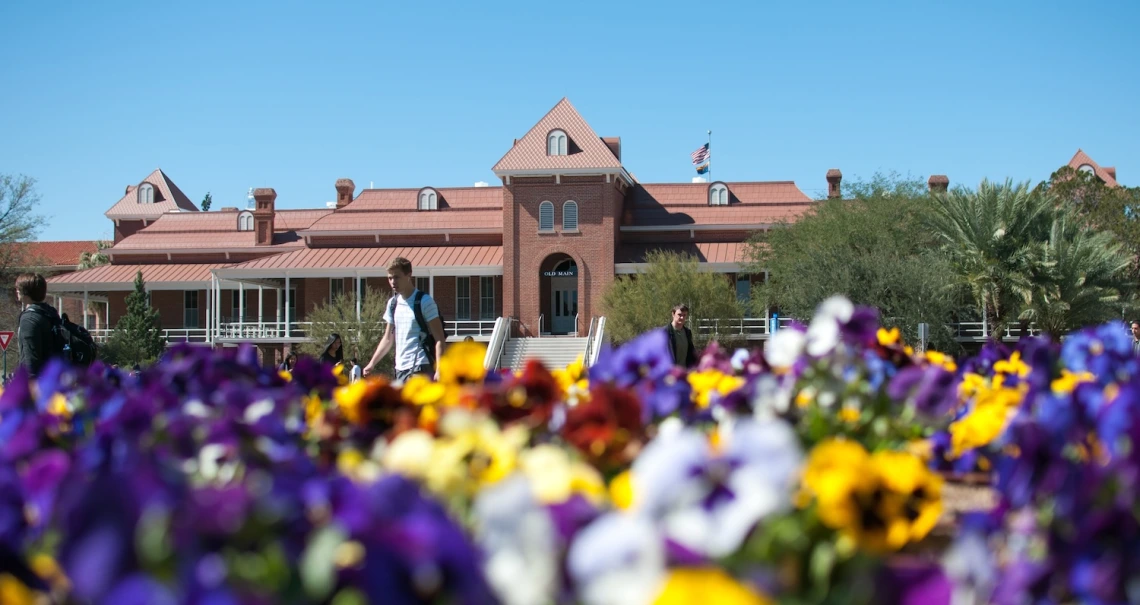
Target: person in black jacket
[(37, 342), (333, 352), (681, 338)]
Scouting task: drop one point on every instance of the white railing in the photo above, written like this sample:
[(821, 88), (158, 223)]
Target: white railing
[(759, 328), (479, 329), (499, 338), (171, 335), (978, 330)]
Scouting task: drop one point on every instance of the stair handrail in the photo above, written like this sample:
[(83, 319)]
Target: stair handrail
[(589, 342), (541, 320), (599, 334), (499, 337)]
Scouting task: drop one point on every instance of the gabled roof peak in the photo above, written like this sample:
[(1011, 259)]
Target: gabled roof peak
[(1108, 175), (585, 149), (169, 197)]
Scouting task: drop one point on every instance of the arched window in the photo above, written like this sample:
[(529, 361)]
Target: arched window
[(546, 216), (1087, 168), (146, 193), (245, 221), (556, 143), (570, 216), (718, 195), (429, 200)]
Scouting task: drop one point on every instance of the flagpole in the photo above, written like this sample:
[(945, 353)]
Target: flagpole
[(710, 156)]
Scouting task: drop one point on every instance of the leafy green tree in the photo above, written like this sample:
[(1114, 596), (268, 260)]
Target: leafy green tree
[(872, 247), (634, 304), (992, 238), (137, 338), (1083, 279), (19, 224), (1112, 209), (206, 201), (359, 338)]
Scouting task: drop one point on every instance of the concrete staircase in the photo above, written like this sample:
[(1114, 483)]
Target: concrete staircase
[(554, 351)]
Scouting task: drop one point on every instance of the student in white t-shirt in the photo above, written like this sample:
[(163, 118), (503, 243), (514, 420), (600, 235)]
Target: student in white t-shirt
[(403, 331)]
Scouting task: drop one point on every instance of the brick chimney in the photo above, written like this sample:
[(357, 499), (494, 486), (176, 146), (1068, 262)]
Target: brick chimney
[(938, 183), (834, 180), (614, 143), (344, 189), (263, 214), (1111, 170)]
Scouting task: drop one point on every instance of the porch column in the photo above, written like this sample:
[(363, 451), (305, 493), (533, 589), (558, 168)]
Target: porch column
[(278, 301), (357, 298), (107, 313), (209, 302), (85, 309), (241, 308), (431, 285), (260, 310), (288, 320)]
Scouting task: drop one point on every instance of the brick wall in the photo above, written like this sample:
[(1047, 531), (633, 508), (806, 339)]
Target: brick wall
[(592, 247)]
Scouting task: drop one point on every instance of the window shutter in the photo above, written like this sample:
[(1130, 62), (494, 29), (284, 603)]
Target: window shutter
[(546, 216), (570, 216)]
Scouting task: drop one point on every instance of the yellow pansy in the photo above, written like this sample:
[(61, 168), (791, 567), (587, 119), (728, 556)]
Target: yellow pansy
[(410, 453), (554, 477), (13, 591), (942, 360), (59, 407), (849, 414), (338, 371), (905, 475), (314, 409), (1014, 365), (888, 337), (1069, 381), (982, 425), (685, 586), (621, 490), (472, 453), (711, 381), (573, 382), (971, 383), (286, 374), (462, 364)]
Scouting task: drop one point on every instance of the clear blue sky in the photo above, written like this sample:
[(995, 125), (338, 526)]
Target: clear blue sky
[(224, 96)]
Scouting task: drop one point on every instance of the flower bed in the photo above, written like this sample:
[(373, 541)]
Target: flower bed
[(839, 466)]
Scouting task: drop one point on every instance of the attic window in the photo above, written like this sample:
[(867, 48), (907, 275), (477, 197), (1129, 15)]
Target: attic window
[(718, 194), (429, 200), (557, 143), (245, 221), (1087, 168), (146, 193)]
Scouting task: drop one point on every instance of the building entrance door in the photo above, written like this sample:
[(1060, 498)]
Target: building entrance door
[(563, 297)]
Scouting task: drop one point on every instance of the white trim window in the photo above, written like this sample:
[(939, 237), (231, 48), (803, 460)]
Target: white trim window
[(237, 297), (570, 216), (336, 288), (486, 298), (462, 298), (556, 143), (245, 221), (429, 200), (743, 288), (423, 284), (546, 216), (718, 195), (189, 309), (146, 193)]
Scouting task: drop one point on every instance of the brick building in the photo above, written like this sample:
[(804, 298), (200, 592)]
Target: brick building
[(540, 247)]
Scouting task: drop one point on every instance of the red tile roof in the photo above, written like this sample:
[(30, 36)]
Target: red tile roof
[(719, 252), (686, 204), (122, 277), (395, 209), (1081, 158), (529, 152), (377, 258), (216, 230), (52, 254), (167, 197)]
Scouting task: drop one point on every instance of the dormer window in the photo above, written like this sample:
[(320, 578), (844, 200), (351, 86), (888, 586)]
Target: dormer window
[(245, 221), (146, 193), (1087, 169), (557, 143), (429, 200), (718, 194)]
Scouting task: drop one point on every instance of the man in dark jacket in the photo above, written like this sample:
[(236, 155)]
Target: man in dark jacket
[(37, 342), (681, 338)]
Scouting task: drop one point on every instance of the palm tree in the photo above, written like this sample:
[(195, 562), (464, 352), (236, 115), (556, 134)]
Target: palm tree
[(992, 238), (1082, 279), (88, 260)]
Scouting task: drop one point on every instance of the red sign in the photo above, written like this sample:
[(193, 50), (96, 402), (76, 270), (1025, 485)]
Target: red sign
[(5, 339)]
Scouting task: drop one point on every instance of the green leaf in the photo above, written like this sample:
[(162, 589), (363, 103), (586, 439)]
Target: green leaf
[(318, 565)]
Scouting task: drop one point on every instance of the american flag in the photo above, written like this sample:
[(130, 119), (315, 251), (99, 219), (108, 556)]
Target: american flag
[(701, 155)]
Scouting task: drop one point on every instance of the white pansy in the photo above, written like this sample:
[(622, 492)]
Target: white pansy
[(784, 348), (518, 537), (823, 333), (617, 560)]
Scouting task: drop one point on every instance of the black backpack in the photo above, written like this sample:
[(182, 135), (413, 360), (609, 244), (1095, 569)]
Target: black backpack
[(427, 341), (74, 343)]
